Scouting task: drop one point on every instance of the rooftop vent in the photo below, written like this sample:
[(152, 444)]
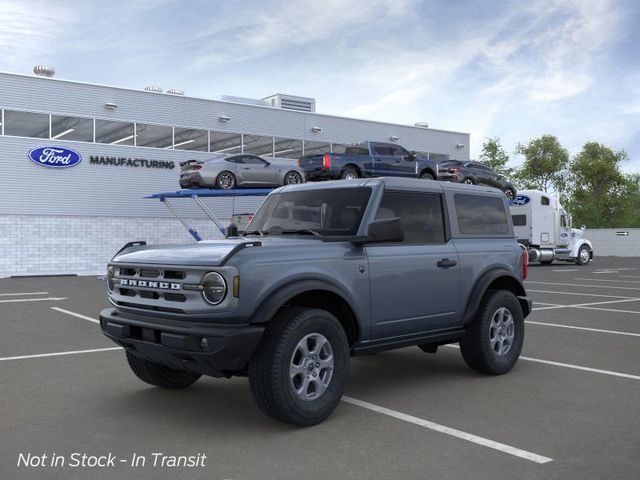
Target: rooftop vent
[(153, 88), (175, 91), (44, 71), (291, 102)]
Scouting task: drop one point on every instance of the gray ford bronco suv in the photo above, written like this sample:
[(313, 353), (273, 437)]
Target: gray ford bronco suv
[(323, 272)]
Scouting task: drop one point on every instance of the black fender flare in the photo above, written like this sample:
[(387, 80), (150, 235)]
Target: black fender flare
[(429, 170), (482, 285), (276, 299)]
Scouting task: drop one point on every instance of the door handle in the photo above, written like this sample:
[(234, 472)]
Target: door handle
[(446, 263), (246, 168)]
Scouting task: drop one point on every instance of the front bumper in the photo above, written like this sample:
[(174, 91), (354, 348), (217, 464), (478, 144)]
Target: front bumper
[(180, 345)]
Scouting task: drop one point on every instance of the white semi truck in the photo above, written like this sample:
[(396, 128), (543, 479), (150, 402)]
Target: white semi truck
[(544, 227)]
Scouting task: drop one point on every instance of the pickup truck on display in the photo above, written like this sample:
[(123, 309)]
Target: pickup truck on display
[(323, 272), (368, 159), (544, 227)]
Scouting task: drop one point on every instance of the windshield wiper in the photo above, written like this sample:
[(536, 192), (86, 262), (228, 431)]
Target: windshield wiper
[(301, 231), (255, 232)]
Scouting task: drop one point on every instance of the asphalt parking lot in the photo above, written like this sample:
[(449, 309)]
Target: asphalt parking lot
[(569, 410)]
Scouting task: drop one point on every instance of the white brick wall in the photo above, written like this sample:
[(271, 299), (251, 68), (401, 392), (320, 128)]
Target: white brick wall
[(46, 245)]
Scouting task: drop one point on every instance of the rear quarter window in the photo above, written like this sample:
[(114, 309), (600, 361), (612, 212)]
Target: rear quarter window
[(481, 215)]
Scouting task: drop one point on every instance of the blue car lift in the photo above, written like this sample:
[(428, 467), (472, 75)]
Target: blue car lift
[(197, 195)]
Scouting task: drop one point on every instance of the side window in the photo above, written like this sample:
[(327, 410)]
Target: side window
[(253, 160), (519, 220), (398, 151), (382, 149), (237, 159), (481, 215), (421, 215), (545, 201)]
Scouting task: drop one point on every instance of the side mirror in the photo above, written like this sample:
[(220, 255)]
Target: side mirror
[(411, 156), (384, 230)]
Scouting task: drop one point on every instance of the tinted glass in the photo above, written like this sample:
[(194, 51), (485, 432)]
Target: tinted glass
[(26, 124), (338, 147), (71, 128), (481, 215), (250, 159), (258, 145), (421, 215), (238, 159), (315, 148), (225, 143), (383, 150), (335, 211), (519, 220), (115, 133), (157, 136), (544, 201), (357, 151), (287, 148), (190, 139)]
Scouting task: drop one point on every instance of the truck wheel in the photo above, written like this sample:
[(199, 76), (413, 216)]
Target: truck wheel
[(427, 176), (159, 375), (583, 255), (297, 374), (493, 341), (349, 173), (225, 180), (469, 181)]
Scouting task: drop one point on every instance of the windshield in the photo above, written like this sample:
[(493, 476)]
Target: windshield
[(331, 212)]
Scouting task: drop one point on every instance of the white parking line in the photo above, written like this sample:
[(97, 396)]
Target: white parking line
[(568, 270), (572, 366), (22, 293), (612, 281), (586, 305), (73, 314), (586, 286), (57, 354), (597, 330), (611, 310), (48, 299), (579, 294), (485, 442)]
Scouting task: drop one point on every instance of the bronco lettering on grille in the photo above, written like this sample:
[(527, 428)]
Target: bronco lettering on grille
[(147, 284)]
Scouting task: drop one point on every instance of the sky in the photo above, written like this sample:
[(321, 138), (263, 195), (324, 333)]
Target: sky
[(509, 69)]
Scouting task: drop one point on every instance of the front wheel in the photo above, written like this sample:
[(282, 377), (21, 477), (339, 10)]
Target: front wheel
[(159, 375), (225, 180), (292, 178), (427, 176), (584, 255), (297, 374), (493, 341)]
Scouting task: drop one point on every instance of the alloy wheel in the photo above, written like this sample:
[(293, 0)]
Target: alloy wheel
[(501, 331), (311, 367)]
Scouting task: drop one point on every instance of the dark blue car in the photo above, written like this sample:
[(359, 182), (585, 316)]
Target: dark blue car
[(368, 159)]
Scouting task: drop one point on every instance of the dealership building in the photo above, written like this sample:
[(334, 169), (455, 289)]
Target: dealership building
[(128, 144)]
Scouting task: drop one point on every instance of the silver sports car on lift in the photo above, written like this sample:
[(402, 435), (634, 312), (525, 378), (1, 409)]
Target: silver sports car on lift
[(240, 170)]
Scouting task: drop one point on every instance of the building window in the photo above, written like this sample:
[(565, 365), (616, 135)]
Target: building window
[(421, 215), (71, 128), (157, 136), (338, 148), (225, 143), (257, 145), (287, 148), (190, 139), (115, 133), (438, 157), (26, 124), (316, 148)]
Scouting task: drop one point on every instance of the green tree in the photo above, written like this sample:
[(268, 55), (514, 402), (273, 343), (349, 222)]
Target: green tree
[(545, 164), (495, 157), (599, 193)]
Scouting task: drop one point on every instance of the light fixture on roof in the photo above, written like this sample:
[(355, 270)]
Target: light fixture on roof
[(62, 134), (394, 138), (224, 118), (421, 124), (316, 129), (175, 91), (44, 71), (110, 106), (461, 145)]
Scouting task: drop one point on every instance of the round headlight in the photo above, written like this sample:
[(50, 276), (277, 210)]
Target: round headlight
[(111, 272), (214, 288)]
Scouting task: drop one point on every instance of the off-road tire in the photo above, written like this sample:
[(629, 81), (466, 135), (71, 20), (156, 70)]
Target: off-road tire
[(475, 345), (349, 173), (269, 368), (579, 260), (159, 375), (427, 176)]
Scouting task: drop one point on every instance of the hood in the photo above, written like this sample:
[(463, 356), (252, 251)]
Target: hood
[(210, 253)]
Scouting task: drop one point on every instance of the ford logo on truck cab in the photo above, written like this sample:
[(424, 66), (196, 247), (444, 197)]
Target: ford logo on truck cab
[(55, 157)]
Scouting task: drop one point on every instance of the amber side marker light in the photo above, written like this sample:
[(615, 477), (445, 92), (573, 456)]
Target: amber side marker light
[(236, 286)]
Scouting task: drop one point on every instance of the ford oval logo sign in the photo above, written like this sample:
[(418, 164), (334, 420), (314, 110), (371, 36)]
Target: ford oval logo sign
[(520, 200), (55, 157)]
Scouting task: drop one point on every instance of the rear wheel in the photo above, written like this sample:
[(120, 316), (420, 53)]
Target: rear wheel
[(493, 341), (299, 370), (292, 178), (469, 181), (584, 255), (510, 193), (159, 375), (350, 173), (225, 180), (427, 176)]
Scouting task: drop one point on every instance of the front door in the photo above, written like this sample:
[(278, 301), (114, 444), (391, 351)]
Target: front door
[(414, 284)]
